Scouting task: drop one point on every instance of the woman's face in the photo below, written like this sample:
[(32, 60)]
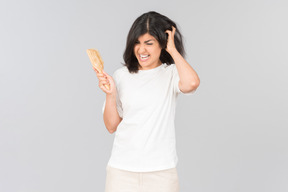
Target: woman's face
[(147, 51)]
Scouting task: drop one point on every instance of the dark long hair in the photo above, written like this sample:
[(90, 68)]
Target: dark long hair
[(155, 24)]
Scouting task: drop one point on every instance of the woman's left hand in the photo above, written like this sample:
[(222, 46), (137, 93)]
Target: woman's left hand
[(170, 42)]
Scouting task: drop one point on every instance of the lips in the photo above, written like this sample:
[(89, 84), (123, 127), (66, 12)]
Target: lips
[(144, 57)]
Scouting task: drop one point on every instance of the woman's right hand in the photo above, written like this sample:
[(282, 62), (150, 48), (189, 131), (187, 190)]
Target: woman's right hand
[(104, 78)]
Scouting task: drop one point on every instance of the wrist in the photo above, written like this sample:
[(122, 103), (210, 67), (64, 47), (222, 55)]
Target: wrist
[(173, 52), (111, 95)]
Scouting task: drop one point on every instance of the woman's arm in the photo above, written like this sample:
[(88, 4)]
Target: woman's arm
[(189, 79), (111, 116)]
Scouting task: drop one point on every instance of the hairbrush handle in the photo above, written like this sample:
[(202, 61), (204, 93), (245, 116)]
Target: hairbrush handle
[(97, 62)]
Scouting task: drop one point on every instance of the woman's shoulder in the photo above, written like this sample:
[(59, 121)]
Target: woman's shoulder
[(121, 69), (119, 72), (169, 66)]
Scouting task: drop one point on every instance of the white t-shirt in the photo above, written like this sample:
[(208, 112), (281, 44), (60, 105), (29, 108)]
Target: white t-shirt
[(145, 138)]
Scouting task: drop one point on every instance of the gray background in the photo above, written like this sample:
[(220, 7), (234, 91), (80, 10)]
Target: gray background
[(231, 134)]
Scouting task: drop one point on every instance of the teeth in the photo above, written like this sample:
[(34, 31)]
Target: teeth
[(144, 56)]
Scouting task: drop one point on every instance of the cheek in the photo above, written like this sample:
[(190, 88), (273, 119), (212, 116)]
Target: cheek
[(135, 49), (157, 51)]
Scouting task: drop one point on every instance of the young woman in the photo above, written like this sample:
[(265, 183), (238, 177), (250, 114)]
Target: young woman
[(140, 107)]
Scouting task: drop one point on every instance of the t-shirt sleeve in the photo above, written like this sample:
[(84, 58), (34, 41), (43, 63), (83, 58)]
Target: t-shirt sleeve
[(176, 80), (118, 101)]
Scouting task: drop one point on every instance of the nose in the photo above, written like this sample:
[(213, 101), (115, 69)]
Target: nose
[(141, 49)]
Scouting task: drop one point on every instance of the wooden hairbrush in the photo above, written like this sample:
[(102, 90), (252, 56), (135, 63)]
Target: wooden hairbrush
[(97, 62)]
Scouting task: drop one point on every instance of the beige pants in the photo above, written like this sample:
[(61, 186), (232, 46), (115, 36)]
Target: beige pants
[(118, 180)]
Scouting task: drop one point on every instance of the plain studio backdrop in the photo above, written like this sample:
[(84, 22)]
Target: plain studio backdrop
[(231, 134)]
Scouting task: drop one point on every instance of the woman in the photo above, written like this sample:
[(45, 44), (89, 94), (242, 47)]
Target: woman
[(140, 107)]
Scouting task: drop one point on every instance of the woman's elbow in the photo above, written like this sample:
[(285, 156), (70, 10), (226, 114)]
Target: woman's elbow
[(111, 131), (112, 127), (195, 85)]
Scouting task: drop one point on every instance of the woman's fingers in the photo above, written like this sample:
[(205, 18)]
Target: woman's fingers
[(105, 74), (103, 88), (104, 77), (104, 81), (170, 41), (173, 30), (102, 84), (99, 75), (95, 70), (171, 33)]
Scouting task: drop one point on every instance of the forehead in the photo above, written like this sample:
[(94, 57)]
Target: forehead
[(146, 37)]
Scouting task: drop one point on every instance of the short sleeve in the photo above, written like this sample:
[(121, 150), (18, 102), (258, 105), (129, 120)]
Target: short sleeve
[(118, 101), (176, 80)]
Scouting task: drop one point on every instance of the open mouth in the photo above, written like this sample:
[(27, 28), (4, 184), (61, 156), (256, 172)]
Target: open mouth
[(144, 57)]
